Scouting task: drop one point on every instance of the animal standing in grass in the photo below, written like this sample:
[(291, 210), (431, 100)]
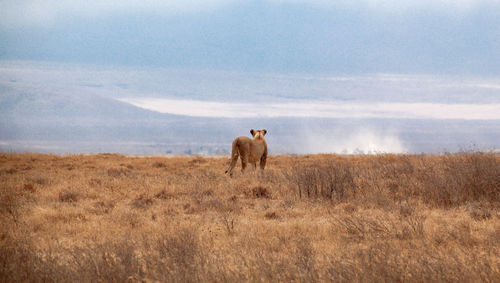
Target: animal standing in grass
[(249, 150)]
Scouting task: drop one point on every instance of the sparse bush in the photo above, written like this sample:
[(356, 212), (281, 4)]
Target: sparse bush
[(228, 220), (478, 212), (271, 215), (333, 181), (159, 164), (412, 227), (29, 187), (350, 208), (460, 178), (163, 194), (117, 172), (359, 227), (42, 181), (10, 203), (103, 207), (305, 259), (406, 210), (142, 201), (260, 192), (197, 160), (257, 192), (68, 196), (95, 182)]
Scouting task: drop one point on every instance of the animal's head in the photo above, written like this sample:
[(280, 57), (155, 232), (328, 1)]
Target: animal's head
[(258, 134)]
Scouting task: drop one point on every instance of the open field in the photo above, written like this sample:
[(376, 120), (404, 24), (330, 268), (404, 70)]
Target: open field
[(308, 218)]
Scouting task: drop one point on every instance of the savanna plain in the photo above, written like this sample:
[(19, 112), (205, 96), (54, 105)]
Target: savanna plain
[(310, 218)]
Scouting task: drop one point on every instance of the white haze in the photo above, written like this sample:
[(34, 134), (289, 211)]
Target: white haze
[(319, 109), (360, 141)]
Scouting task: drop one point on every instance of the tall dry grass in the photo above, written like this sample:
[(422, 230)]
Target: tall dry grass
[(100, 218)]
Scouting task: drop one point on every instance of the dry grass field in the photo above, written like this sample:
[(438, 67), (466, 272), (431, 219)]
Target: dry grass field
[(100, 218)]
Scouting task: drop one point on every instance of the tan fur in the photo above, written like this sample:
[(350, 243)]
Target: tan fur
[(249, 150)]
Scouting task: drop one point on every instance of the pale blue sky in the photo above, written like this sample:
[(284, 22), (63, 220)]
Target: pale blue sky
[(350, 37)]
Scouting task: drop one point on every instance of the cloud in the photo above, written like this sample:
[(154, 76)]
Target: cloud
[(399, 5), (18, 13), (358, 36)]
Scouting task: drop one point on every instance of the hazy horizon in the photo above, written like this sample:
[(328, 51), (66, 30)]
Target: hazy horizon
[(63, 108)]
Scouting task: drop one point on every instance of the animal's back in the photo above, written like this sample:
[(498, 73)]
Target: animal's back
[(241, 140), (257, 149), (241, 143)]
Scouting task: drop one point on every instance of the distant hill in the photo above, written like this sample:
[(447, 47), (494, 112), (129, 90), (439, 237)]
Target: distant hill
[(54, 122), (75, 117), (50, 106)]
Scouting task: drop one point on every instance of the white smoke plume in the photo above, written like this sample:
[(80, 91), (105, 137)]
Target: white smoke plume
[(360, 141)]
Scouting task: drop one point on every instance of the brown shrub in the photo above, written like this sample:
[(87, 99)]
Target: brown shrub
[(9, 171), (271, 215), (163, 194), (197, 160), (103, 207), (333, 181), (159, 164), (260, 192), (29, 187), (142, 202), (460, 178), (68, 196), (350, 208), (478, 212), (95, 182), (117, 172), (406, 210), (10, 204), (39, 180), (228, 220), (359, 228)]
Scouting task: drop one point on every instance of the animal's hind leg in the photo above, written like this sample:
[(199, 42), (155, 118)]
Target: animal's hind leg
[(244, 161), (234, 159)]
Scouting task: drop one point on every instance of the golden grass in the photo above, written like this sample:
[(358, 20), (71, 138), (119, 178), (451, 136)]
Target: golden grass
[(308, 218)]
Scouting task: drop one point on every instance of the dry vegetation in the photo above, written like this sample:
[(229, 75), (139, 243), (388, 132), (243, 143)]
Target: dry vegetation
[(307, 218)]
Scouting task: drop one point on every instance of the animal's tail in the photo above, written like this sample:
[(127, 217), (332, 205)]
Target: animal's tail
[(234, 157)]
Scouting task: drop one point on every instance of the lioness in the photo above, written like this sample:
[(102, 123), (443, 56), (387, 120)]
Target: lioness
[(249, 150)]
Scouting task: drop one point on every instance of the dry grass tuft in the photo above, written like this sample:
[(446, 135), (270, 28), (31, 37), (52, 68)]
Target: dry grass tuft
[(68, 196), (117, 172), (333, 180), (271, 215), (163, 194), (29, 187), (142, 202), (159, 164), (103, 207), (260, 192), (478, 212)]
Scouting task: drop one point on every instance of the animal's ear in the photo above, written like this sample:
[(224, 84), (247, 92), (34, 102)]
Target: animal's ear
[(265, 131), (252, 131)]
